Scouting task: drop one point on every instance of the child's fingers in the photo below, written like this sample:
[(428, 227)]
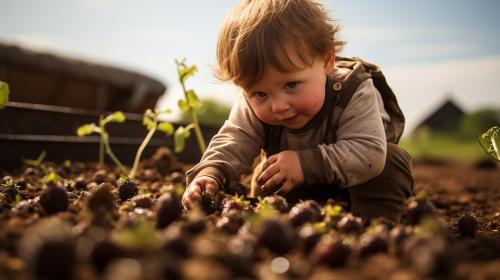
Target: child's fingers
[(211, 189), (268, 173), (192, 194), (269, 162), (286, 188), (275, 180)]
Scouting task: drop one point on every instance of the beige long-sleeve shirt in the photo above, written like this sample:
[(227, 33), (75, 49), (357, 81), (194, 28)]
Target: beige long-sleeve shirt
[(356, 155)]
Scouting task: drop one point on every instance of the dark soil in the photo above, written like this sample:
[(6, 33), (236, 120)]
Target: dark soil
[(106, 231)]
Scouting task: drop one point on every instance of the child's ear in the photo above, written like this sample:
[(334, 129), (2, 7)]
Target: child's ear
[(330, 63)]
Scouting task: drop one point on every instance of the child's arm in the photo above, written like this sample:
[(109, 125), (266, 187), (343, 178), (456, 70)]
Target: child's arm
[(231, 152), (359, 152)]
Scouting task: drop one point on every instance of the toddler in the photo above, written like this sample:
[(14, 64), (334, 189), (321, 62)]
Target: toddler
[(325, 123)]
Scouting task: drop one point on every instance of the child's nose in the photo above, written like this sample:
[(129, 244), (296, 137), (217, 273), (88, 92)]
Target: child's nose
[(279, 106)]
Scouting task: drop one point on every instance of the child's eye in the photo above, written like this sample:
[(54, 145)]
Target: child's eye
[(260, 94), (291, 85)]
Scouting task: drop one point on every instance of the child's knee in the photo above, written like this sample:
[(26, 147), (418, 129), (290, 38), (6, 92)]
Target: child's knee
[(387, 192)]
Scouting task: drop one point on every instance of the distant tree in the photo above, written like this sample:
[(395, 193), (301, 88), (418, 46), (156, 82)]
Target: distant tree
[(211, 112), (479, 121)]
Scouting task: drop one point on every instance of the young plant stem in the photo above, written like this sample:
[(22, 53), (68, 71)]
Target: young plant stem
[(110, 152), (101, 143), (141, 149), (194, 120)]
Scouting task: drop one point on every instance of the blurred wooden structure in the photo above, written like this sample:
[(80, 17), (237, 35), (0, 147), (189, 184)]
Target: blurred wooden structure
[(28, 129), (444, 119), (44, 78)]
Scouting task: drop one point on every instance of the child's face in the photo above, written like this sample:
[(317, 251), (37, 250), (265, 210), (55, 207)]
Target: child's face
[(290, 99)]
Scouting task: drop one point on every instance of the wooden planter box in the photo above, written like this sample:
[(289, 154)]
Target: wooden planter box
[(27, 129)]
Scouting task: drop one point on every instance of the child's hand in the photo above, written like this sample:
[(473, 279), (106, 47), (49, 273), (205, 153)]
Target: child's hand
[(281, 169), (199, 186)]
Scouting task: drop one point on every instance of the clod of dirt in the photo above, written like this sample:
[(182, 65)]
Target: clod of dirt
[(54, 199), (303, 212), (169, 210), (350, 224), (143, 202), (397, 236), (54, 260), (486, 164), (80, 183), (100, 176), (277, 236), (419, 208), (10, 190), (331, 252), (209, 204), (127, 189), (48, 248), (102, 200), (177, 177), (177, 243), (105, 252), (230, 222), (467, 225)]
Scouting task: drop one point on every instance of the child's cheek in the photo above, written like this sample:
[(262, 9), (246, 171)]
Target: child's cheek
[(265, 116)]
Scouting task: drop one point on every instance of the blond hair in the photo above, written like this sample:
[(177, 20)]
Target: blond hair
[(260, 33)]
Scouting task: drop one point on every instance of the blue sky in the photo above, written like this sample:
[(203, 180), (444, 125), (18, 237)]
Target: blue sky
[(429, 50)]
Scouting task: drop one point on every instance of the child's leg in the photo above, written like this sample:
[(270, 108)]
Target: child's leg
[(385, 195)]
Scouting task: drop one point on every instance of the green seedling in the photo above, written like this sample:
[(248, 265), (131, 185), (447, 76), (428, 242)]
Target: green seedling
[(190, 104), (104, 146), (51, 178), (36, 162), (488, 141), (151, 121), (4, 94)]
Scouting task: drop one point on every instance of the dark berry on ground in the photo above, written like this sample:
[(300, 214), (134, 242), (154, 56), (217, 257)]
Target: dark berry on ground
[(308, 211), (467, 225), (209, 204), (277, 236), (278, 202), (396, 237), (54, 199), (230, 222), (331, 251), (80, 183), (371, 244), (350, 224), (169, 210), (127, 189), (418, 209), (102, 200), (100, 176), (309, 237)]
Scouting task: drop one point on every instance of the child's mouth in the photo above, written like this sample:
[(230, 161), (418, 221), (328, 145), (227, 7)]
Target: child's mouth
[(290, 119)]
